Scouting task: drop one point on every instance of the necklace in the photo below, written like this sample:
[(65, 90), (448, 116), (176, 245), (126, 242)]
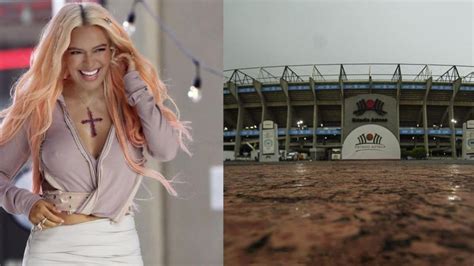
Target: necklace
[(90, 115)]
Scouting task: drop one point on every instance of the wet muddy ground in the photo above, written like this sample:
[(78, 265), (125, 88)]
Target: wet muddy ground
[(349, 213)]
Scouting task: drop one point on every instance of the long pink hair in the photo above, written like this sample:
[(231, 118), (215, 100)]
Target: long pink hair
[(36, 92)]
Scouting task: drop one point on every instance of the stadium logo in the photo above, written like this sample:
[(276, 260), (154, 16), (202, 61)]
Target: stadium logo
[(369, 105), (369, 138), (369, 141)]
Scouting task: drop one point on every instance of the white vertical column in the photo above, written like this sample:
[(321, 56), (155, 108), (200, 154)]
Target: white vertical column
[(194, 229)]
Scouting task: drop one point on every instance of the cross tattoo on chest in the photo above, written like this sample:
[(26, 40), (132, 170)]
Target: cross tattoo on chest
[(92, 121)]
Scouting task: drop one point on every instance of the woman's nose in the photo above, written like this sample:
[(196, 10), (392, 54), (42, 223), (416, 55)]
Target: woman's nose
[(88, 61)]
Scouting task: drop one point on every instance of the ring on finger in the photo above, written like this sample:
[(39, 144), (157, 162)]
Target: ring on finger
[(39, 227)]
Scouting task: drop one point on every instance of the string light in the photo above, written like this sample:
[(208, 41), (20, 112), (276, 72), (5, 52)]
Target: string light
[(129, 24), (194, 92)]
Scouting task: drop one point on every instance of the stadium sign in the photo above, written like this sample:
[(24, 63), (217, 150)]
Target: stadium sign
[(370, 142), (367, 120), (364, 109), (470, 124), (365, 105), (468, 140), (269, 141), (370, 105)]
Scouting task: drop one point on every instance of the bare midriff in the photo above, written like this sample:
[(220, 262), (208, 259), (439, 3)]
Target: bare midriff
[(76, 218)]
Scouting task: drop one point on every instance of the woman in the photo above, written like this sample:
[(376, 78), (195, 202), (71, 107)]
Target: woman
[(85, 111)]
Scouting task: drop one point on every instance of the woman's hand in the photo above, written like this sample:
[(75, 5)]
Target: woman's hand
[(44, 209), (127, 60)]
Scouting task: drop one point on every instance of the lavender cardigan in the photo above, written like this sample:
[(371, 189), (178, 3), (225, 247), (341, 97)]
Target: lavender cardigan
[(68, 166)]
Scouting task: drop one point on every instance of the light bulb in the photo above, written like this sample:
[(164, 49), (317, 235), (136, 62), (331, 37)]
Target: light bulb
[(194, 94), (129, 28), (129, 24)]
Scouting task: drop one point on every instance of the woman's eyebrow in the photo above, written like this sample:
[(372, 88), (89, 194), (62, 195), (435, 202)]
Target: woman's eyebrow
[(74, 48)]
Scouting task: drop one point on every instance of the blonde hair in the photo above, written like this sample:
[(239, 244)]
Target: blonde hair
[(35, 93)]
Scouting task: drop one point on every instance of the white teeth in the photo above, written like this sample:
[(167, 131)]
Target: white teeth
[(89, 73)]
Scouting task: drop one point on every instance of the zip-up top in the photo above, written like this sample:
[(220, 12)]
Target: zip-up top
[(68, 166)]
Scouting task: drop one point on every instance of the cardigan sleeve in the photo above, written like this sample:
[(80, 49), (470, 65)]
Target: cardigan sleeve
[(161, 137), (13, 155)]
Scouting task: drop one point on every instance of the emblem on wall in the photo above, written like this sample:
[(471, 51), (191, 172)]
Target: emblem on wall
[(369, 138), (369, 105), (369, 142)]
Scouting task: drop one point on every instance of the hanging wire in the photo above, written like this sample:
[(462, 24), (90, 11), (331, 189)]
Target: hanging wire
[(172, 36)]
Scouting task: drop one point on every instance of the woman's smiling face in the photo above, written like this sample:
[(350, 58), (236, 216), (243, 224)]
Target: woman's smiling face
[(88, 57)]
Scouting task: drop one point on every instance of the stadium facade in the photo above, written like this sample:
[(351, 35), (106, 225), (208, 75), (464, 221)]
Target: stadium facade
[(317, 107)]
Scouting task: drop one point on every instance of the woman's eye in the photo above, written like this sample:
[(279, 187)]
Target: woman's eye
[(74, 52), (100, 50)]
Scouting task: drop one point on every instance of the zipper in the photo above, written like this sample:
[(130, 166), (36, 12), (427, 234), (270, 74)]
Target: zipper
[(97, 171), (78, 141), (105, 150)]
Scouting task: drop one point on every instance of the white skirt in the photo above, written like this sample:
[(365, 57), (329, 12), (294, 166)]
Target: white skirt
[(97, 242)]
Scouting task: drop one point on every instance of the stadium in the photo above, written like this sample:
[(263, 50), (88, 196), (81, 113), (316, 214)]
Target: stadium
[(335, 190), (424, 106)]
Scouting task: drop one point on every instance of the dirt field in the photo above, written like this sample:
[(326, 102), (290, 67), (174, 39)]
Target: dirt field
[(349, 213)]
